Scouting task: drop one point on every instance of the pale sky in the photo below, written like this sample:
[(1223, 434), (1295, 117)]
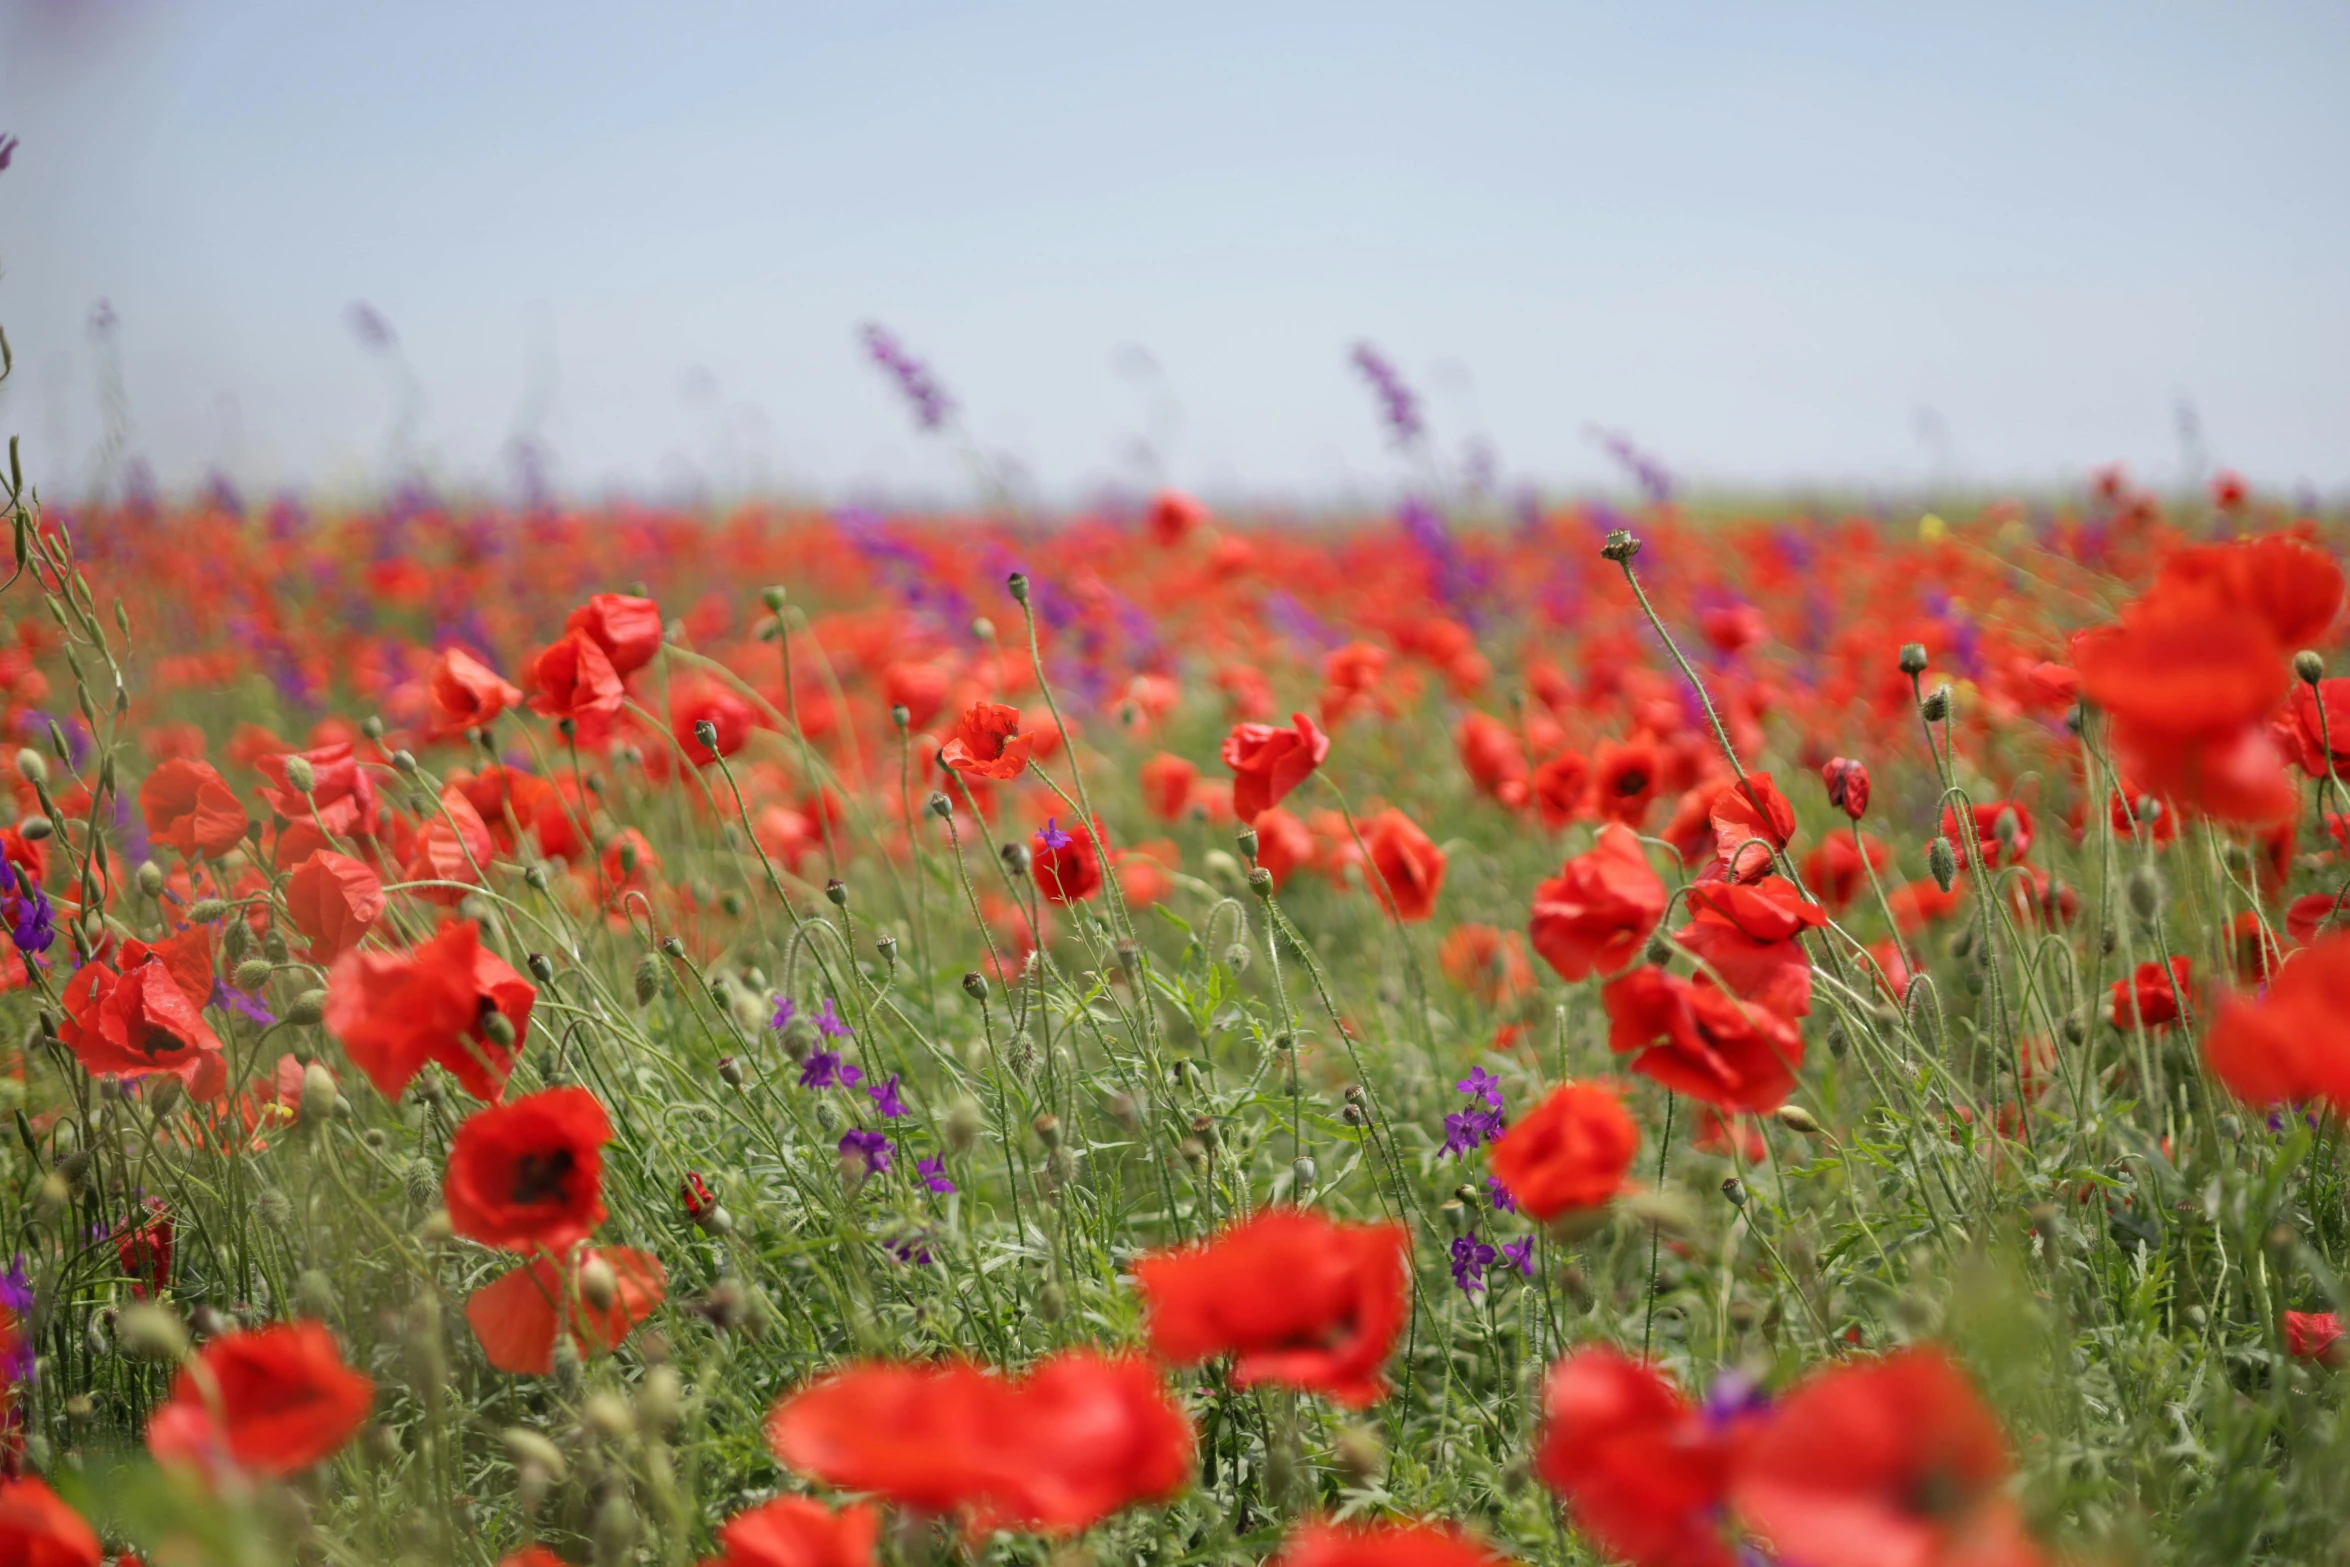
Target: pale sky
[(1774, 244)]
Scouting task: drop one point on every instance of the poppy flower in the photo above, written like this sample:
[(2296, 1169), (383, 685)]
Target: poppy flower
[(39, 1530), (530, 1174), (273, 1401), (1283, 844), (141, 1019), (1081, 1436), (1487, 963), (1848, 785), (515, 1317), (1599, 910), (395, 1011), (624, 628), (2287, 585), (144, 1249), (1697, 1040), (1267, 763), (1569, 1153), (190, 808), (2151, 995), (730, 718), (1748, 936), (793, 1531), (1643, 1471), (1318, 1544), (1166, 781), (987, 743), (453, 848), (1493, 757), (1409, 865), (1876, 1461), (1751, 820), (2291, 1044), (1559, 786), (573, 678), (535, 1556), (1298, 1300), (1066, 865), (2314, 1335), (333, 900), (1625, 779), (1834, 871), (342, 794), (1997, 851), (466, 693), (1174, 516)]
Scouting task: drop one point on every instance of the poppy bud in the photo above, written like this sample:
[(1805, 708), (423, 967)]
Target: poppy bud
[(838, 892), (599, 1286), (615, 1531), (150, 877), (607, 1414), (1052, 1303), (1302, 1176), (314, 1294), (34, 828), (1848, 786), (1913, 658), (672, 947), (206, 911), (318, 1093), (2007, 827), (2310, 666), (963, 1125), (647, 979), (1130, 961), (1260, 881), (32, 767), (1796, 1118), (1359, 1453), (1017, 859), (437, 1229), (307, 1008), (1620, 546), (1935, 705), (251, 974), (1942, 862), (730, 1071), (146, 1331), (372, 727), (1732, 1189), (164, 1096), (940, 806), (1017, 585), (1237, 957), (1247, 839), (2145, 891), (975, 986), (706, 734)]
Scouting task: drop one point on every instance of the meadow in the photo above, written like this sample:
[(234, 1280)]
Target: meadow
[(1667, 1033)]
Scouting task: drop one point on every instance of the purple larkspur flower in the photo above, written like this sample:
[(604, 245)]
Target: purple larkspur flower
[(1503, 1201), (1483, 1085), (16, 1299), (885, 1098), (934, 1176), (825, 1069), (1466, 1131), (1050, 837), (1398, 404), (32, 923), (828, 1021), (870, 1147), (1520, 1255), (913, 1250), (921, 388), (245, 1004), (1470, 1258), (8, 146)]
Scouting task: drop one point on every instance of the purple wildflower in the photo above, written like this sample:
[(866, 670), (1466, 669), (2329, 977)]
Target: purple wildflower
[(246, 1004), (1520, 1255), (921, 388), (825, 1069), (885, 1098), (1483, 1085), (911, 1249), (828, 1021), (785, 1010), (870, 1147), (8, 146), (1470, 1258), (1398, 404), (16, 1302), (934, 1176), (1503, 1202), (1466, 1131), (32, 923), (1050, 837)]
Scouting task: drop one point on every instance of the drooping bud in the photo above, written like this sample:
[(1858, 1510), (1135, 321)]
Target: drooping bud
[(307, 1008), (648, 979), (251, 974), (964, 1122), (146, 1331), (32, 767), (33, 829), (1942, 862), (1935, 705), (208, 911), (1848, 786), (150, 877), (599, 1286), (318, 1094), (1796, 1118), (300, 774), (2310, 666), (2145, 892)]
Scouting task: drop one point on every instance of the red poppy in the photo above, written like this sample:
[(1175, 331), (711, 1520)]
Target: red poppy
[(730, 718), (626, 629), (1696, 1040), (1750, 820), (142, 1018), (1493, 757), (1570, 1153), (534, 1556), (2292, 1043), (1173, 517), (2317, 726), (1997, 851), (272, 1401), (190, 808), (1643, 1472), (573, 678), (333, 900), (530, 1174), (466, 693), (1487, 963), (1077, 1438), (1409, 865), (1625, 779), (453, 848), (1834, 870), (2314, 1335), (1066, 864), (144, 1249), (1283, 844), (793, 1531), (37, 1529), (1559, 788), (1267, 762), (1877, 1461), (342, 794), (987, 743), (1848, 785), (1600, 909), (1917, 904), (1748, 936), (515, 1317), (1298, 1300), (394, 1011), (1318, 1544), (2287, 585), (1166, 785), (2151, 995)]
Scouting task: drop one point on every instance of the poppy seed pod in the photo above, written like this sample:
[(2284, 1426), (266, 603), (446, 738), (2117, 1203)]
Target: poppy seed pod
[(1017, 585), (975, 985), (940, 806), (542, 967), (706, 734), (837, 892), (1733, 1189), (730, 1071), (1913, 658), (887, 946), (1620, 546), (1246, 838), (2309, 665), (901, 715), (1942, 862), (1260, 881)]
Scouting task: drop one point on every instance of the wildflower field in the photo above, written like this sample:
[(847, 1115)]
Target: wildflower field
[(1668, 1034)]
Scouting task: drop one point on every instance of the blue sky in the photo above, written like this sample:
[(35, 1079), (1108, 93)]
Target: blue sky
[(1779, 245)]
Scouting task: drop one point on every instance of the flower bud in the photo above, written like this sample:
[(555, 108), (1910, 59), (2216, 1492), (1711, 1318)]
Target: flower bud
[(2310, 666), (1048, 1129), (1935, 705), (1796, 1118), (34, 828), (32, 767), (706, 733), (1017, 585), (730, 1071), (607, 1414), (207, 911), (2145, 891), (314, 1294), (251, 974), (975, 986), (1848, 786), (1303, 1175), (672, 947), (940, 806), (599, 1286), (150, 876), (1942, 862), (1017, 859), (838, 892), (964, 1123), (146, 1331), (1238, 956), (1913, 658), (307, 1008), (302, 776), (648, 979), (318, 1093), (1052, 1303)]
